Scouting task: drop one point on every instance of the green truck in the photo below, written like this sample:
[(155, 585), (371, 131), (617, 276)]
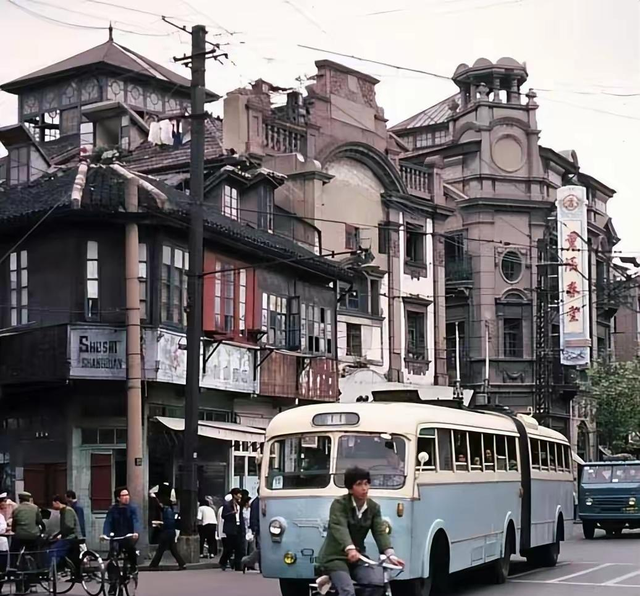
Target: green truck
[(609, 497)]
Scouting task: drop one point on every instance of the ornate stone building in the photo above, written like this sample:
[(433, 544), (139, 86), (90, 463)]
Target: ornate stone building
[(500, 185)]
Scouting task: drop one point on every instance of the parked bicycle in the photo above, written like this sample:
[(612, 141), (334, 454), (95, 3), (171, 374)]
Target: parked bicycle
[(27, 568), (323, 585), (122, 578)]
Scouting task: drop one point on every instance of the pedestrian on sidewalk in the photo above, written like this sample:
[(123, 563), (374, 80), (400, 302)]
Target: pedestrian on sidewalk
[(72, 501), (233, 527), (207, 527), (249, 562), (167, 538)]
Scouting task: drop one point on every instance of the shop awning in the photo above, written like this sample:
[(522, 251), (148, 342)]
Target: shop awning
[(223, 431)]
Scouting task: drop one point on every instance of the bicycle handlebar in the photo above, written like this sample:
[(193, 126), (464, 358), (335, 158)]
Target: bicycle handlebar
[(383, 562), (113, 538)]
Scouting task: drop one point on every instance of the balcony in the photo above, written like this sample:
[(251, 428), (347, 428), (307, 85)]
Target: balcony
[(419, 181), (459, 271), (282, 137)]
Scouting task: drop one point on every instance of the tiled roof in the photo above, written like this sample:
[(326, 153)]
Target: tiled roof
[(436, 114), (37, 197), (109, 53), (153, 158), (104, 192), (257, 240), (62, 148)]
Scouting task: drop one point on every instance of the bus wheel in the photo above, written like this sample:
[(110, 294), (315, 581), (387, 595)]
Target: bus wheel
[(439, 579), (589, 529), (501, 565), (294, 587)]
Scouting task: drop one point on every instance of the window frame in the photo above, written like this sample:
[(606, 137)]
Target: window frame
[(230, 202), (18, 288), (351, 237), (414, 355), (357, 351), (15, 164), (267, 208), (143, 279), (415, 235), (512, 337), (92, 280), (505, 259), (168, 283)]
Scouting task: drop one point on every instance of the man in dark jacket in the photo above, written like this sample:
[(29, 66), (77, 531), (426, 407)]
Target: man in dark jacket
[(350, 519), (233, 527), (167, 539), (72, 501), (122, 519), (254, 525)]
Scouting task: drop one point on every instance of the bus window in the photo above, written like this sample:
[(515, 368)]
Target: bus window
[(489, 452), (444, 449), (501, 452), (475, 449), (560, 462), (568, 459), (597, 475), (512, 454), (552, 456), (461, 450), (299, 462), (427, 444), (535, 454), (544, 457), (627, 474), (384, 458)]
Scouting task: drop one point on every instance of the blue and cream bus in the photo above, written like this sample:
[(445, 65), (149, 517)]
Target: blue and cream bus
[(458, 488)]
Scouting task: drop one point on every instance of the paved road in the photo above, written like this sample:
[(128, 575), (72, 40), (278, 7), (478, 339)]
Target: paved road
[(602, 567)]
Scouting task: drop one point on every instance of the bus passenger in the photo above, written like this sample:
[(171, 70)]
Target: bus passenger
[(462, 458), (351, 518)]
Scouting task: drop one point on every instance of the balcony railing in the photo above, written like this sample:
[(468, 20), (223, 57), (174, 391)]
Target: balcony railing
[(418, 180), (458, 270), (283, 138)]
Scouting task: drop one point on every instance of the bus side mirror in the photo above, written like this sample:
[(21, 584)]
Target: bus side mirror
[(423, 458)]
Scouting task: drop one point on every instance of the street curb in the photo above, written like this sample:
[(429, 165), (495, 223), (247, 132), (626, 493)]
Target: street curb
[(192, 567)]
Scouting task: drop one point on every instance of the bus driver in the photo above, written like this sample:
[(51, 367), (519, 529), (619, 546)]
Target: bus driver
[(350, 519)]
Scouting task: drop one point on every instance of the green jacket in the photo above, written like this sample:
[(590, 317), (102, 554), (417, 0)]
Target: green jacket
[(345, 529), (69, 524), (27, 521)]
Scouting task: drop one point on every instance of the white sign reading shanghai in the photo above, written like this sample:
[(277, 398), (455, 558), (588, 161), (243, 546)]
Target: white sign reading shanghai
[(97, 353)]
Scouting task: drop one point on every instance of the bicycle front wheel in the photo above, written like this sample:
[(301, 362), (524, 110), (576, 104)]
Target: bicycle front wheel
[(61, 577), (93, 573)]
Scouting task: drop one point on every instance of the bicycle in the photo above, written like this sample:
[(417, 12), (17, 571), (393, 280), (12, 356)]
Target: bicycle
[(27, 571), (92, 571), (127, 580), (324, 587)]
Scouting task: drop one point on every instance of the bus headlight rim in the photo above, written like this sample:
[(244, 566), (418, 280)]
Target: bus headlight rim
[(588, 501)]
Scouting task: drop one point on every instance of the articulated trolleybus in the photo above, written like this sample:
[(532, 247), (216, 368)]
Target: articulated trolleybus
[(458, 488)]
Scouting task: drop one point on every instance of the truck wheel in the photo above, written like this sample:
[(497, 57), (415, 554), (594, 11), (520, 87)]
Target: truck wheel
[(589, 529)]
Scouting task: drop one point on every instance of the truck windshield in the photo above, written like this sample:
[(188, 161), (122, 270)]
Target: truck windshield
[(299, 462), (383, 456), (611, 474)]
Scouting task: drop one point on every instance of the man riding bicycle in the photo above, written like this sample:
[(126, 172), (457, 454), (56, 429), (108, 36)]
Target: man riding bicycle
[(122, 520), (70, 533), (350, 519)]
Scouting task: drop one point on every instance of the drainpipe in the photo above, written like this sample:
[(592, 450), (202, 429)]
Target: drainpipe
[(135, 474)]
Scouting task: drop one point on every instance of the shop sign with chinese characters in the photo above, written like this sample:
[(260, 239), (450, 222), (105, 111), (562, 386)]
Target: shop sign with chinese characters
[(575, 341)]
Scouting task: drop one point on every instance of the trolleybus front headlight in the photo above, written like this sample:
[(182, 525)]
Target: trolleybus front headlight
[(290, 558), (588, 501), (277, 527), (632, 501)]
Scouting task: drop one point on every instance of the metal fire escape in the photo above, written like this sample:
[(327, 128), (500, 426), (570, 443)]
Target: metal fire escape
[(546, 307)]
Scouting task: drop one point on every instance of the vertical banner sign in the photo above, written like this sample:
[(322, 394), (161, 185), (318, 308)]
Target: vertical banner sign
[(575, 340)]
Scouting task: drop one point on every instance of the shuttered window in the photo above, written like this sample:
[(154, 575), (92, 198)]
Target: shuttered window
[(101, 487)]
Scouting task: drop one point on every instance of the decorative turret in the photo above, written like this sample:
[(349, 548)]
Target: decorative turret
[(484, 81)]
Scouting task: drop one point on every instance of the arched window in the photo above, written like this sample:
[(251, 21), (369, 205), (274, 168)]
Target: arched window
[(514, 316)]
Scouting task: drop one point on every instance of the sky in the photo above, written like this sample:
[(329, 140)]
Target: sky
[(583, 58)]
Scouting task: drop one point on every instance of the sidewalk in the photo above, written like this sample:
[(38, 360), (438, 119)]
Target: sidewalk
[(168, 563)]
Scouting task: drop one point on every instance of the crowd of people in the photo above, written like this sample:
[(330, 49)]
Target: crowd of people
[(235, 524)]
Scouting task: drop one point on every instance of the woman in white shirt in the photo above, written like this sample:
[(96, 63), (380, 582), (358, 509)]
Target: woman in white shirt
[(4, 547), (207, 525)]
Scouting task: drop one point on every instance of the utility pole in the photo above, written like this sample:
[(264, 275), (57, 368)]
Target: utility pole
[(194, 288)]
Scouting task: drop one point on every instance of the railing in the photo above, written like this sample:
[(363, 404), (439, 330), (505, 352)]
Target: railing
[(283, 139), (458, 270), (417, 179)]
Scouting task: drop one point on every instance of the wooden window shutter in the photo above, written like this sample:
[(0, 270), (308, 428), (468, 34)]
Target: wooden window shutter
[(101, 489)]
